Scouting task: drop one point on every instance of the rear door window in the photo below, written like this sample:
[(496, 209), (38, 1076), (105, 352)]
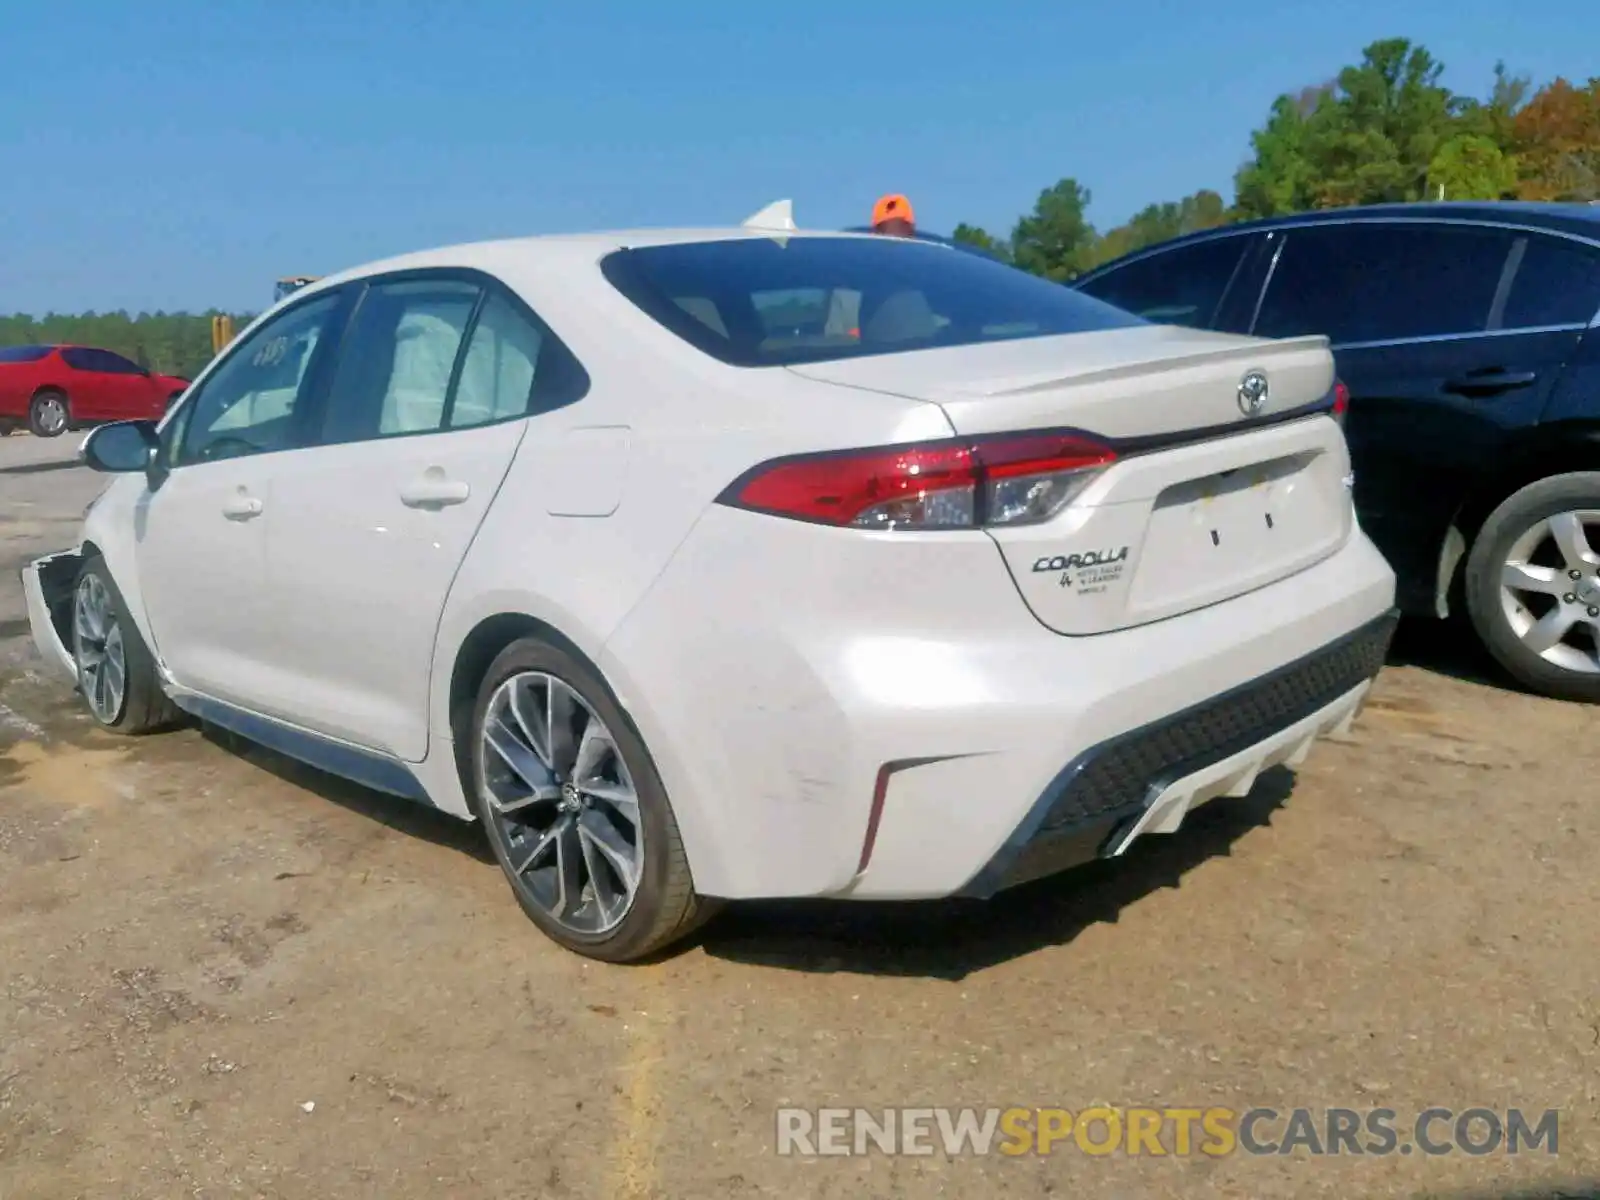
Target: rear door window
[(104, 362), (1369, 282), (115, 364), (508, 354), (1181, 286), (397, 360), (1557, 282), (756, 302), (439, 352)]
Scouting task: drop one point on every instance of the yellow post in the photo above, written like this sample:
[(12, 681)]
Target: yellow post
[(221, 332)]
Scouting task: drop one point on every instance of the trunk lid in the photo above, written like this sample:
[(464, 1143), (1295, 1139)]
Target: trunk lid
[(1205, 501), (1137, 382)]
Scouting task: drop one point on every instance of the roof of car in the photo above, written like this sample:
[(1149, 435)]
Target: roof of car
[(1574, 218), (1569, 218), (564, 248)]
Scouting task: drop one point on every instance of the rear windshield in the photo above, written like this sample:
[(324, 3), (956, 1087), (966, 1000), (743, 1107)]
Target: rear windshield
[(766, 302), (16, 354)]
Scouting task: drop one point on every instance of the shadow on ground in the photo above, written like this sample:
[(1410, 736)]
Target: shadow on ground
[(40, 468), (1446, 648), (950, 939), (942, 939), (403, 816)]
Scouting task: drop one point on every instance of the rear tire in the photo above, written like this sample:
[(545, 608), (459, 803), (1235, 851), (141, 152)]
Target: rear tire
[(116, 671), (586, 837), (1539, 547), (49, 413)]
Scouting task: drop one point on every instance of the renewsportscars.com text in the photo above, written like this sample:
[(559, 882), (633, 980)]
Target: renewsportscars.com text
[(1156, 1132)]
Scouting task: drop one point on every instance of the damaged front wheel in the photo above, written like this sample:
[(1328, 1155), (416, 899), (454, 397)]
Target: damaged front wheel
[(116, 671)]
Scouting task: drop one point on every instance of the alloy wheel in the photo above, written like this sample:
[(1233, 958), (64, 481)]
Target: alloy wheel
[(52, 415), (1550, 590), (98, 650), (562, 803)]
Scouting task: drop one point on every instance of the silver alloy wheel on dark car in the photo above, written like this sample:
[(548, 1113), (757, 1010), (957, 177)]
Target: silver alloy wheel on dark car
[(1550, 590), (98, 650), (561, 802)]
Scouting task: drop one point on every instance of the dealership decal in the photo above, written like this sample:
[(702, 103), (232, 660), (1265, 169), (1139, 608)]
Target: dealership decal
[(1088, 572)]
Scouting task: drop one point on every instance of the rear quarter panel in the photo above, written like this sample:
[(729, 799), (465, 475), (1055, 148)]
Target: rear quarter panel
[(603, 492), (1421, 452), (18, 382)]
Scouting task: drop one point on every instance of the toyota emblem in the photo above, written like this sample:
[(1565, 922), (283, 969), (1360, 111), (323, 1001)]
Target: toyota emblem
[(1252, 393)]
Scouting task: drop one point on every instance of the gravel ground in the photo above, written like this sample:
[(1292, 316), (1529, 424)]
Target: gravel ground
[(226, 975)]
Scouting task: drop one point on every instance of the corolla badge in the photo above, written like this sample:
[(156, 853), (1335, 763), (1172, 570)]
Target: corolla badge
[(1252, 393)]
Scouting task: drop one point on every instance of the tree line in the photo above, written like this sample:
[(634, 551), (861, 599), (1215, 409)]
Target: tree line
[(1384, 129), (172, 343)]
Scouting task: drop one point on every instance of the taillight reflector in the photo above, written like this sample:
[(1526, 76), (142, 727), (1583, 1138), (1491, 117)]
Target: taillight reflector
[(1011, 480), (1341, 400)]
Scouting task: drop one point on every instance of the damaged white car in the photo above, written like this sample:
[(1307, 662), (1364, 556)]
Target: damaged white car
[(735, 563)]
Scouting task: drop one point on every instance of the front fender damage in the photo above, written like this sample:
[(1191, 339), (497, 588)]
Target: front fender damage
[(47, 584)]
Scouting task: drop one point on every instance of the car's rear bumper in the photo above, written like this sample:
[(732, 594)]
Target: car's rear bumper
[(1147, 780), (47, 586), (832, 727)]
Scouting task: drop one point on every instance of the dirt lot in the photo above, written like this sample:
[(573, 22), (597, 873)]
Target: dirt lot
[(198, 944)]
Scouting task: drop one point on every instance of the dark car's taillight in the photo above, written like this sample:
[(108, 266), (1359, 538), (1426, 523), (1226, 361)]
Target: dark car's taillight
[(1341, 400)]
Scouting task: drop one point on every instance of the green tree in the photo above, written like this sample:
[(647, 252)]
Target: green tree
[(1496, 118), (1470, 166), (1372, 137), (1387, 121), (981, 239), (1160, 222), (1281, 178), (1056, 239)]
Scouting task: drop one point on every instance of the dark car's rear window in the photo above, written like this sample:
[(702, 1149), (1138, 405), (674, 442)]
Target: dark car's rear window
[(761, 302), (22, 354)]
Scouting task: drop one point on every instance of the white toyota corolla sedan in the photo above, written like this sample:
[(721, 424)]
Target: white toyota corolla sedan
[(736, 563)]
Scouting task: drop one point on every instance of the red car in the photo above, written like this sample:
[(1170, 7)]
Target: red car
[(56, 388)]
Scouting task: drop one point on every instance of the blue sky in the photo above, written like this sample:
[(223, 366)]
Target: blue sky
[(176, 154)]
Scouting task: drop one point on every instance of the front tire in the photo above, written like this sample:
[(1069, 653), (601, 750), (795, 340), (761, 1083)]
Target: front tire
[(575, 811), (1533, 586), (49, 414), (116, 671)]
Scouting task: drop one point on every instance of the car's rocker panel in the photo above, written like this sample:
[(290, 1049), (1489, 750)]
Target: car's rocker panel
[(358, 765)]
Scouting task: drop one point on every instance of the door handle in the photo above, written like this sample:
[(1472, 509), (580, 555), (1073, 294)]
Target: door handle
[(1491, 382), (241, 507), (434, 490)]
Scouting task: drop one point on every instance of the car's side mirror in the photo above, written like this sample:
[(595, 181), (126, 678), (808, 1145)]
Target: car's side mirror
[(121, 447)]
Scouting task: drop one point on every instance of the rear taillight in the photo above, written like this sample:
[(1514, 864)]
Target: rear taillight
[(1341, 400), (1019, 479)]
